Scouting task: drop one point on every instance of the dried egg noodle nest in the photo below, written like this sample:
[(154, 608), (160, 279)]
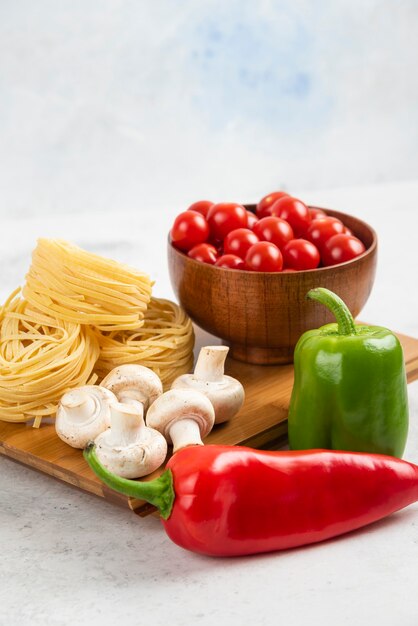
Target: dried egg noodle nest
[(164, 343), (84, 288), (40, 358), (81, 316)]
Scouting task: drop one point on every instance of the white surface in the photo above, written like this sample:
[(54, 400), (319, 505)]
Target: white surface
[(69, 558), (122, 103)]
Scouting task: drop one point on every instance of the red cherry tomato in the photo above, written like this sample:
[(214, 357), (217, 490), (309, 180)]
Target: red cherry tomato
[(300, 254), (275, 230), (293, 211), (202, 206), (252, 219), (230, 261), (264, 206), (204, 252), (264, 257), (347, 231), (239, 241), (189, 229), (322, 229), (316, 213), (224, 217), (341, 248)]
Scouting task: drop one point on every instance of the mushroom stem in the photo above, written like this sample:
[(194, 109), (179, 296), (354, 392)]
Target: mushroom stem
[(210, 364), (126, 421), (134, 398), (185, 432), (79, 405)]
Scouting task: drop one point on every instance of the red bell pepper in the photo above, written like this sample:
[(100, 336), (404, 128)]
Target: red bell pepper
[(228, 501)]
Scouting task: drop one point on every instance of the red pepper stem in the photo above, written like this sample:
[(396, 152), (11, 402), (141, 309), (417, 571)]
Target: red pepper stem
[(159, 492), (338, 307)]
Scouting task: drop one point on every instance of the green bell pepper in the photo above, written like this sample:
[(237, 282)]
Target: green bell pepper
[(350, 388)]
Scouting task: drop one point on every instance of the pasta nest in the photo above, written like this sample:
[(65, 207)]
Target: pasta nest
[(85, 288), (40, 358), (164, 343), (81, 315)]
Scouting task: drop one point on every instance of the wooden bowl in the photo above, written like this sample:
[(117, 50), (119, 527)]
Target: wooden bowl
[(261, 315)]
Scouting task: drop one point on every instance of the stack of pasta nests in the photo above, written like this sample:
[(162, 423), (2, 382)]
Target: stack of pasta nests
[(81, 315)]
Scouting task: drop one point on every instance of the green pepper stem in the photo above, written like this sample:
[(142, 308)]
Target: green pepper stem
[(338, 307), (159, 492)]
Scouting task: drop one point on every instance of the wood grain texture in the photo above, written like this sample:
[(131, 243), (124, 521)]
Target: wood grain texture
[(261, 423), (261, 315)]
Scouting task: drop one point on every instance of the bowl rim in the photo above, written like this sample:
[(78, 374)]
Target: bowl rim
[(331, 212)]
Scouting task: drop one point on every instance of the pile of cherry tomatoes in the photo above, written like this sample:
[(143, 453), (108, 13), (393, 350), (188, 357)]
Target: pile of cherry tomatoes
[(283, 235)]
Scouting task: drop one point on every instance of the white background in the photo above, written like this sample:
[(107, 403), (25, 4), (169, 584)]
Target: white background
[(118, 105)]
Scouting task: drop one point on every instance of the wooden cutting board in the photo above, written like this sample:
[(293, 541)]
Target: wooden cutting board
[(261, 423)]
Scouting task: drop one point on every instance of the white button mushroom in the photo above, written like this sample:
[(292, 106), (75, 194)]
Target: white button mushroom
[(82, 414), (183, 416), (129, 448), (134, 383), (226, 393)]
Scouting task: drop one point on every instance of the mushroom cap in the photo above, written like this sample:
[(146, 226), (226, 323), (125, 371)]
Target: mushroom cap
[(138, 458), (177, 404), (135, 382), (78, 427), (226, 395)]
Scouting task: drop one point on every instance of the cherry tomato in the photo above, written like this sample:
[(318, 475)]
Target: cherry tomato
[(189, 229), (300, 254), (264, 257), (293, 211), (275, 230), (341, 248), (239, 241), (322, 229), (252, 220), (202, 206), (204, 252), (224, 217), (315, 213), (230, 261), (264, 206), (347, 231)]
